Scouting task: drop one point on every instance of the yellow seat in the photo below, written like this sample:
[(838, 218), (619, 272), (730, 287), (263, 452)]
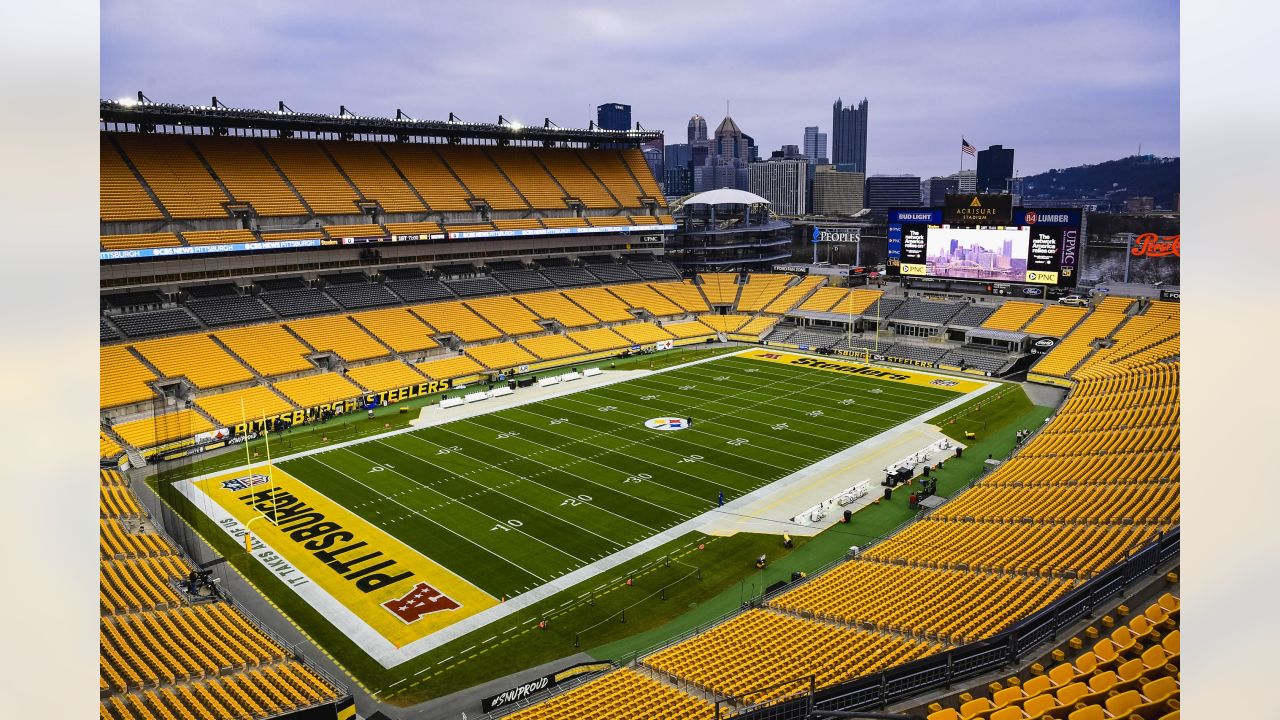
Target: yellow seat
[(1088, 712), (1008, 713), (1120, 705), (944, 714)]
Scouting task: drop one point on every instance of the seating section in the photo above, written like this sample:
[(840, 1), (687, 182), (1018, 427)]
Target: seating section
[(762, 648), (972, 316), (613, 273), (1132, 672), (926, 311), (1116, 304), (501, 356), (506, 314), (268, 349), (644, 296), (623, 693), (309, 169), (529, 176), (195, 357), (294, 303), (643, 333), (761, 289), (362, 295), (1012, 315), (823, 299), (599, 339), (456, 318), (572, 174), (720, 288), (864, 302), (656, 270), (555, 306), (685, 294), (162, 656), (691, 329), (569, 276), (122, 378), (601, 303), (337, 334), (107, 448), (230, 310), (249, 175), (218, 237), (725, 323), (120, 196), (551, 347), (381, 377), (252, 403), (790, 297), (421, 290), (374, 175), (314, 390), (156, 322), (639, 167), (1056, 320), (475, 286), (756, 327), (141, 240), (984, 360), (148, 432), (613, 172), (400, 329), (449, 368), (1064, 357), (175, 174), (522, 280), (429, 176), (868, 594), (482, 177)]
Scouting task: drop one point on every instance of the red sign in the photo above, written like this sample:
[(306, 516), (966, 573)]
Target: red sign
[(421, 600), (1152, 245)]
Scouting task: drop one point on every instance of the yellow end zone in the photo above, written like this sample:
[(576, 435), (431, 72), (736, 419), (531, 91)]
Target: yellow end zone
[(908, 377), (394, 589)]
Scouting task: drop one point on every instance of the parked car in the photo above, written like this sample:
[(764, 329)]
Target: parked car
[(1074, 300)]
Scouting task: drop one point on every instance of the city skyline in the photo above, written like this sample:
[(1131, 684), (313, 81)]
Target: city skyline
[(1116, 89)]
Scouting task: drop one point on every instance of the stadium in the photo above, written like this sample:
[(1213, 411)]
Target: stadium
[(410, 418)]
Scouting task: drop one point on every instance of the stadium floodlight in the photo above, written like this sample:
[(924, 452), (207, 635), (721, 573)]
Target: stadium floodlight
[(127, 102)]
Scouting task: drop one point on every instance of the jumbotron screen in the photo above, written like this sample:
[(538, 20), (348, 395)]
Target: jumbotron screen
[(1040, 248)]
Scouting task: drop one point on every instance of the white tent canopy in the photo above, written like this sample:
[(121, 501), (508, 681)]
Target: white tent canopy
[(725, 196)]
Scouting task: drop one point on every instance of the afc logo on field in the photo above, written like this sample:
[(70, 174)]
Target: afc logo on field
[(421, 600), (769, 356)]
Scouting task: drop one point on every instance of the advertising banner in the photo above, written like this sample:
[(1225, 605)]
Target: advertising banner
[(537, 685), (978, 209)]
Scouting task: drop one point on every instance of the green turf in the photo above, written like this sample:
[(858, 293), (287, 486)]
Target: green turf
[(352, 427), (870, 524), (568, 449), (512, 499)]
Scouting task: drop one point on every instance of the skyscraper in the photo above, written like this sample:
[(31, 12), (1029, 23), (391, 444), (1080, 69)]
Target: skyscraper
[(613, 116), (849, 131), (679, 170), (782, 182), (697, 129), (995, 169), (890, 191), (815, 144), (837, 193)]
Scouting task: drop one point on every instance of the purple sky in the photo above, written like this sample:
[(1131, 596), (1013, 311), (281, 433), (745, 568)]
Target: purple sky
[(1062, 82)]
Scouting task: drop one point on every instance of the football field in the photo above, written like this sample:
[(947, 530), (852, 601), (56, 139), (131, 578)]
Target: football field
[(500, 504)]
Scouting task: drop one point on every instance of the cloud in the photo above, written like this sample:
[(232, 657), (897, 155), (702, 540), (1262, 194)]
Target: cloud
[(1062, 82)]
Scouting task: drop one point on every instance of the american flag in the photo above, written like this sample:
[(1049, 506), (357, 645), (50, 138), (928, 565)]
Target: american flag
[(965, 147)]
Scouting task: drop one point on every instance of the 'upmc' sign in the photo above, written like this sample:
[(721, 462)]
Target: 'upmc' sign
[(837, 235)]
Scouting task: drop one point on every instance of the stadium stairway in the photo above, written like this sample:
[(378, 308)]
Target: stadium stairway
[(498, 168), (343, 172)]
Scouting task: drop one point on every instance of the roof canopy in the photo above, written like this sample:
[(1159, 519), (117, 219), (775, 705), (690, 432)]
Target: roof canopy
[(725, 196)]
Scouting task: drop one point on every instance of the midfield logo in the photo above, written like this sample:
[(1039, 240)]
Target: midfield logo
[(945, 383), (421, 600)]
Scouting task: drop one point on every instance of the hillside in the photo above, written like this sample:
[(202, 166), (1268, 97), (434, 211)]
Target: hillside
[(1134, 176)]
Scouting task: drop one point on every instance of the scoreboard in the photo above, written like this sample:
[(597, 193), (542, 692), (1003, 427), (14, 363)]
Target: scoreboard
[(1036, 246)]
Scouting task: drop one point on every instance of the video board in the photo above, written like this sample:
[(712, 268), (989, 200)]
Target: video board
[(1038, 247)]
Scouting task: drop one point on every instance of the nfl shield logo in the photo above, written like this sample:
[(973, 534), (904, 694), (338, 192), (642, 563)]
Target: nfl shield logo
[(244, 483), (421, 600)]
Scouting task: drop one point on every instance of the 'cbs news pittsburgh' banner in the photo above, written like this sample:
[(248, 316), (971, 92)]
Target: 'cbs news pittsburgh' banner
[(381, 593)]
